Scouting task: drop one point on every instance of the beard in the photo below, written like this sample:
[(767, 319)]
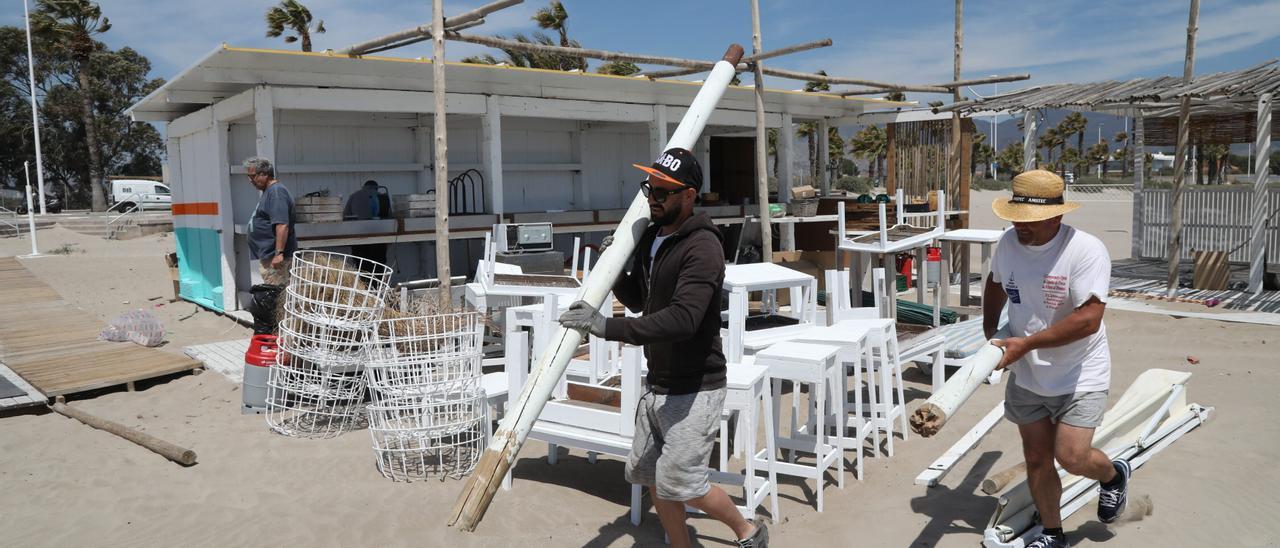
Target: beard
[(663, 216)]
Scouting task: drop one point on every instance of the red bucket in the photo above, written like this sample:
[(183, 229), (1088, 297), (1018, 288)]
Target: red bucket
[(262, 351)]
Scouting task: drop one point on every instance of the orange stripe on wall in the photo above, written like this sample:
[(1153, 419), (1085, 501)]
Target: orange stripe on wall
[(196, 208)]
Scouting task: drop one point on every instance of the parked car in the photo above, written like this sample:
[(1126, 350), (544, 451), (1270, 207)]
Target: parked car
[(126, 193), (52, 204)]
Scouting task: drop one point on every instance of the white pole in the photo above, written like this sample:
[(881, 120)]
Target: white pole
[(995, 135), (1258, 236), (35, 116), (31, 214), (515, 426)]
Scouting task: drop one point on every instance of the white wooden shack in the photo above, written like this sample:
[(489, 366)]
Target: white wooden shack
[(547, 145)]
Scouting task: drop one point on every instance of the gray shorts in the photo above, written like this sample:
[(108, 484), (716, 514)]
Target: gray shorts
[(673, 442), (1082, 409)]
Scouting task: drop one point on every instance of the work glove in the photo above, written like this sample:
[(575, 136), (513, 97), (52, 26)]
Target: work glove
[(604, 244), (585, 318)]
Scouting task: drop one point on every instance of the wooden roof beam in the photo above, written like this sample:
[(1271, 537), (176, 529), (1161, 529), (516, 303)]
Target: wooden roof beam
[(423, 32)]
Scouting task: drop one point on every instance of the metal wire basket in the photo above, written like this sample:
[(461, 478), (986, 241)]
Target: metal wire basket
[(439, 435), (336, 290), (313, 400)]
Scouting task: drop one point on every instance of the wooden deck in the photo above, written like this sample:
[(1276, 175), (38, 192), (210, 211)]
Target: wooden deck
[(55, 347)]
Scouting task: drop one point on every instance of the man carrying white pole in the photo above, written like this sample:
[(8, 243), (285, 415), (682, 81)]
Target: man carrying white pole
[(1055, 279), (677, 270)]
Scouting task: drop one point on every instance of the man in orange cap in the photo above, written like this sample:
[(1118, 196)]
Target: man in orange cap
[(1055, 279), (676, 273)]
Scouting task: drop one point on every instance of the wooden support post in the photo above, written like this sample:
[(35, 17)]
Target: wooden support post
[(657, 131), (180, 455), (954, 155), (824, 157), (226, 220), (491, 155), (891, 153), (1029, 140), (264, 123), (786, 138), (762, 145), (1258, 235), (1180, 154), (442, 155), (1136, 230)]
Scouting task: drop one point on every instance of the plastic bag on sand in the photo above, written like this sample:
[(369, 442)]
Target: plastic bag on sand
[(139, 326)]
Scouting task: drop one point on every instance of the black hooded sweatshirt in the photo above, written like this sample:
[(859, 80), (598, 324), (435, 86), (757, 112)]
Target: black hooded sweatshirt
[(680, 297)]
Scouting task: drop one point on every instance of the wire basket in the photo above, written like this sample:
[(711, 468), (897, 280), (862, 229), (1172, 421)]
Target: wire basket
[(332, 289), (425, 354), (804, 208), (440, 435), (313, 400), (336, 348)]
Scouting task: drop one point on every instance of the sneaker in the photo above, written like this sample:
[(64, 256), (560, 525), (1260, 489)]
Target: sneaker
[(758, 539), (1049, 541), (1112, 500)]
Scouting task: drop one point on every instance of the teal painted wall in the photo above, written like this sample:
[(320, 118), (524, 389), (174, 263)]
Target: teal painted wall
[(200, 266)]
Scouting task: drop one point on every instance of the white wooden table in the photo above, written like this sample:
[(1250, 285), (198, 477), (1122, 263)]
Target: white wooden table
[(742, 280), (965, 237)]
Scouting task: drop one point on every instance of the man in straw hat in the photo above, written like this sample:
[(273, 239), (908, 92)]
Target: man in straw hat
[(1054, 278), (677, 269)]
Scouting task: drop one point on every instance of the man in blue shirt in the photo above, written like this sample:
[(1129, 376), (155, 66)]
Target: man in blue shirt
[(370, 202), (271, 236)]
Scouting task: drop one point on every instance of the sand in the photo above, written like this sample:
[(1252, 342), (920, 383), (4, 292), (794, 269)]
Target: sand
[(62, 483)]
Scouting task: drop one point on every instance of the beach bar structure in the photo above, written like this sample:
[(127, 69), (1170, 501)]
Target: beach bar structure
[(1225, 108), (534, 146)]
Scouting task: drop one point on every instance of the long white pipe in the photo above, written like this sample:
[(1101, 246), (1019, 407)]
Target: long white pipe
[(35, 116), (515, 426), (929, 418)]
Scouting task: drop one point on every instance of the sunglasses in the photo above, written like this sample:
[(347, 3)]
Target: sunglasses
[(659, 195)]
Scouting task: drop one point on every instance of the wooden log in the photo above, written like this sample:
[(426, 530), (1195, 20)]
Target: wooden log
[(998, 482), (952, 84), (442, 155), (746, 61), (180, 455), (762, 146), (423, 32), (929, 418), (506, 442), (1179, 155)]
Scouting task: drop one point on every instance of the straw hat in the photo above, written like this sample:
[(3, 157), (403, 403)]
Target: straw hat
[(1037, 195)]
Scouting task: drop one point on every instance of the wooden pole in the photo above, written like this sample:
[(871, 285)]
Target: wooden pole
[(762, 150), (180, 455), (954, 156), (956, 84), (998, 482), (442, 155), (1136, 229), (1180, 153), (424, 32), (1258, 235), (930, 417), (1028, 140), (745, 60), (579, 52), (506, 442)]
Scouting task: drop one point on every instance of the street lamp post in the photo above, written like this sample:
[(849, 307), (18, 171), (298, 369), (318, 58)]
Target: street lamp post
[(35, 116)]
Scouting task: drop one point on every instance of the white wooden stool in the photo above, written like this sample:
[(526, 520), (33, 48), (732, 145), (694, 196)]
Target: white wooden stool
[(746, 389), (854, 353), (817, 366)]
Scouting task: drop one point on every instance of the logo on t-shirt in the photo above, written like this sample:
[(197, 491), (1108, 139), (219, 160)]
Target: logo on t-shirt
[(1055, 291), (1011, 289)]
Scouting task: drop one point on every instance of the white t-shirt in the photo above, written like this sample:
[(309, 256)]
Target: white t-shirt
[(1045, 284), (657, 242)]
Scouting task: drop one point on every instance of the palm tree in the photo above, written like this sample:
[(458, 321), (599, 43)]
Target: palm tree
[(1123, 154), (618, 68), (71, 26), (1075, 124), (895, 96), (871, 143), (555, 17), (292, 15), (810, 129), (526, 59)]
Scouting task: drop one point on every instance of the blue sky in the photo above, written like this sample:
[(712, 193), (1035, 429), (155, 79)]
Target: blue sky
[(1064, 40)]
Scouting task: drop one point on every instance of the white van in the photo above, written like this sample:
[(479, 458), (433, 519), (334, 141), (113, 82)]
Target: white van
[(125, 193)]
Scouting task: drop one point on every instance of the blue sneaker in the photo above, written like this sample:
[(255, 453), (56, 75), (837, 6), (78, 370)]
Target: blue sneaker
[(1049, 541), (1112, 500)]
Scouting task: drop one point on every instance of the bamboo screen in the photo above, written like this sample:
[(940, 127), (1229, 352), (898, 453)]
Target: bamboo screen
[(918, 158)]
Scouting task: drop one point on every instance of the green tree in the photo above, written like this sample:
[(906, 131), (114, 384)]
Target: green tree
[(528, 59), (71, 25), (292, 15), (555, 17), (1097, 155), (119, 79), (618, 68), (1123, 154), (1074, 124), (982, 154), (896, 96), (871, 143), (1214, 158), (1010, 159), (1049, 140)]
